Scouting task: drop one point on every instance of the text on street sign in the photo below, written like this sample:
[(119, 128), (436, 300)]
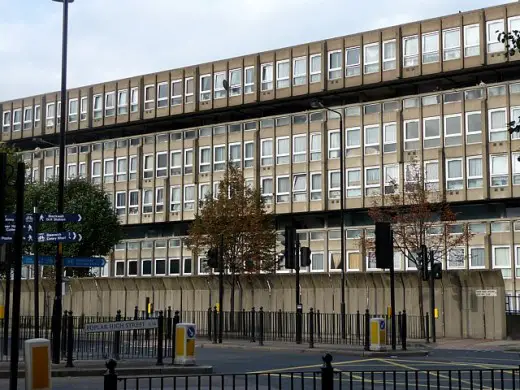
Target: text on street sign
[(121, 325)]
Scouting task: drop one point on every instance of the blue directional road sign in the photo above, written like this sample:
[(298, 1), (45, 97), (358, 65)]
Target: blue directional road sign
[(28, 218), (55, 237), (60, 218), (190, 332), (83, 262)]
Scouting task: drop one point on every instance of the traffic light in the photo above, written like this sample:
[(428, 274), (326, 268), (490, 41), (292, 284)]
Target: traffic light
[(212, 257), (437, 270), (288, 242), (384, 245), (305, 256)]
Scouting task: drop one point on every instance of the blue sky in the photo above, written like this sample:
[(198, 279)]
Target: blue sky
[(112, 39)]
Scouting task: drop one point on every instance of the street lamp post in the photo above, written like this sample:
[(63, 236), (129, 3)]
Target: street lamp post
[(318, 104), (57, 309)]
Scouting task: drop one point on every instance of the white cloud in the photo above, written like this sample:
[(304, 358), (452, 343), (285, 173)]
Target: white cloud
[(111, 39)]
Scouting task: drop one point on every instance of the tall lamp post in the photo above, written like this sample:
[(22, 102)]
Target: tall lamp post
[(319, 104), (57, 309)]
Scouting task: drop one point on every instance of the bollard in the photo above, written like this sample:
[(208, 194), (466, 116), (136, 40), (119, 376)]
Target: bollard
[(311, 328), (117, 338), (400, 325), (280, 327), (327, 373), (404, 330), (427, 327), (209, 324), (261, 326), (160, 336), (318, 324), (64, 334), (176, 320), (253, 333), (70, 340), (136, 317), (169, 323), (215, 324), (110, 377), (358, 325), (367, 330)]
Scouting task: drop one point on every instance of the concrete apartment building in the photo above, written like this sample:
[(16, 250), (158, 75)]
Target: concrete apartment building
[(439, 92)]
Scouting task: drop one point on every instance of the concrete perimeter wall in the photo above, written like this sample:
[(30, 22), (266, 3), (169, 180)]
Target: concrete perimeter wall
[(461, 313)]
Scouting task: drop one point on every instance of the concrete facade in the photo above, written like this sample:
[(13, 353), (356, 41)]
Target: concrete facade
[(461, 313)]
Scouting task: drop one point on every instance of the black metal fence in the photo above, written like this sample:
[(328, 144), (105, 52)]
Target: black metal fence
[(253, 325), (325, 379)]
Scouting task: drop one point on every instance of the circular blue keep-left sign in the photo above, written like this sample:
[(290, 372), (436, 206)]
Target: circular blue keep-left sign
[(382, 325), (190, 332)]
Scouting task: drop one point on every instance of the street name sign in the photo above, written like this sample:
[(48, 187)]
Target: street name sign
[(83, 262), (486, 293), (121, 325)]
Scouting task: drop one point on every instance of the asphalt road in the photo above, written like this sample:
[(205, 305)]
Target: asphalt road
[(450, 370)]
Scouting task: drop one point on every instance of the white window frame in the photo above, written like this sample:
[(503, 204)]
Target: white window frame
[(283, 157), (159, 199), (469, 48), (205, 94), (235, 89), (148, 205), (299, 156), (134, 99), (412, 58), (353, 70), (161, 171), (411, 139), (470, 266), (492, 130), (122, 104), (431, 184), (204, 167), (162, 101), (492, 175), (285, 196), (37, 115), (464, 256), (97, 109), (121, 208), (266, 159), (219, 165), (389, 63), (151, 268), (188, 96), (72, 170), (132, 167), (367, 63), (188, 168), (468, 133), (425, 138), (390, 184), (454, 49), (369, 187), (337, 70), (299, 195), (460, 134), (133, 208), (333, 152), (28, 117), (148, 171), (219, 92), (6, 121), (314, 191), (107, 176), (120, 174), (493, 257), (249, 160), (110, 109), (267, 83), (149, 104), (317, 253), (267, 196), (49, 119), (236, 162), (249, 87), (95, 177), (493, 45), (375, 145), (188, 204), (389, 143), (347, 262), (283, 81), (175, 202), (315, 154), (299, 78), (334, 191), (434, 53), (314, 75), (176, 170), (481, 178), (515, 168), (455, 178), (176, 100), (354, 191)]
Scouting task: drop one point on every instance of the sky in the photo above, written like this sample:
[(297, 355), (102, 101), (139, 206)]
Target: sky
[(115, 39)]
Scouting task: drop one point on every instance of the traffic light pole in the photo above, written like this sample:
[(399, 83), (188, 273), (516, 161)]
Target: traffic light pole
[(392, 297), (221, 288), (299, 308), (432, 296)]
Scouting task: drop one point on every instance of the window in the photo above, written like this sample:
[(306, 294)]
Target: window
[(283, 188), (175, 266), (499, 170), (121, 169), (315, 68), (161, 167), (132, 168), (353, 261), (148, 167), (204, 191), (452, 130), (133, 202), (219, 157), (300, 187), (72, 171), (315, 146), (282, 74), (159, 200), (266, 77), (82, 170), (110, 104), (6, 122), (205, 159), (122, 102), (48, 173), (235, 154), (515, 116), (176, 93), (371, 58), (146, 267), (451, 44), (315, 186), (474, 172), (455, 258), (219, 91), (235, 82), (175, 199), (493, 28), (410, 51), (37, 115), (134, 99), (121, 203), (389, 55), (28, 113), (352, 62), (389, 137), (476, 257), (354, 182), (96, 172), (515, 164), (249, 154), (266, 152), (391, 177), (430, 47), (50, 113), (299, 148), (205, 87), (411, 135), (120, 268), (147, 201), (282, 151), (189, 197), (372, 181), (317, 264), (454, 174), (203, 268), (162, 95), (471, 40), (97, 107), (188, 161), (502, 259), (473, 127), (108, 170), (334, 144), (249, 79), (267, 189), (334, 64), (371, 139), (188, 90), (149, 97), (334, 184), (299, 71), (176, 163)]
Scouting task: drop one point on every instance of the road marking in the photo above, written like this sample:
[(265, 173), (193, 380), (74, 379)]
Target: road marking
[(454, 363), (346, 362)]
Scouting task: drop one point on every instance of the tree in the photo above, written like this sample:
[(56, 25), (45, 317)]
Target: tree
[(99, 227), (511, 41), (238, 217), (419, 216)]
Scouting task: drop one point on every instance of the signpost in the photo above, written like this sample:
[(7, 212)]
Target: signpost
[(83, 262), (121, 325)]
